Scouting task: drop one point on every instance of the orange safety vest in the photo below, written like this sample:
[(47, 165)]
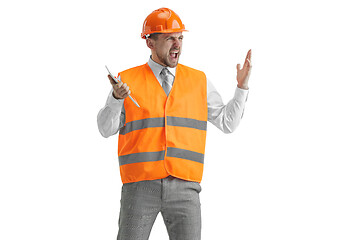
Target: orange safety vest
[(166, 135)]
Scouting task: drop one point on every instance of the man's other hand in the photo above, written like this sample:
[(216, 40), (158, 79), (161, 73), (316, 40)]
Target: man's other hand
[(121, 90), (243, 74)]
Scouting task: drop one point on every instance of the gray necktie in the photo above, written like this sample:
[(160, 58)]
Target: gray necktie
[(166, 76)]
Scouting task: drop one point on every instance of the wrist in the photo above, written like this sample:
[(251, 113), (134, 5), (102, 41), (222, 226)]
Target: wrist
[(116, 97), (245, 87)]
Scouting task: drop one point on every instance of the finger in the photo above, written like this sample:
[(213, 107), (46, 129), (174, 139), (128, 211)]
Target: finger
[(120, 84), (124, 89), (238, 67), (125, 94), (248, 55), (249, 63), (111, 80), (117, 87), (121, 94), (121, 91)]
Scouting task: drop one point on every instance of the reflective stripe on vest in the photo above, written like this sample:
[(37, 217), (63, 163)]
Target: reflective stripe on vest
[(167, 134), (157, 156), (141, 124), (160, 122), (141, 157), (186, 122)]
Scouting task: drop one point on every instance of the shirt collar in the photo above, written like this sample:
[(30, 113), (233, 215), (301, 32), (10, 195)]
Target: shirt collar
[(157, 68)]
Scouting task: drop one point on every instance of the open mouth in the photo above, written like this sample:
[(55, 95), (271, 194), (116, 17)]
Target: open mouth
[(174, 54)]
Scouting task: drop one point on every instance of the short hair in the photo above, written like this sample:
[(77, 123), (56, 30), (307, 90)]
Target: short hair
[(154, 36)]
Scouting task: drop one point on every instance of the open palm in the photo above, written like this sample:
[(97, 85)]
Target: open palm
[(243, 74)]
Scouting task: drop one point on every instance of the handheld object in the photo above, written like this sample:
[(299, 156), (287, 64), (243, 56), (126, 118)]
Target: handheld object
[(118, 81)]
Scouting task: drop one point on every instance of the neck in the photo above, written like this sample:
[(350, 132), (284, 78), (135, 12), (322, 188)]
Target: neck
[(156, 59)]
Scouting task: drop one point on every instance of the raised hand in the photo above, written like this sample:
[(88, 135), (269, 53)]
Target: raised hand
[(243, 74), (121, 90)]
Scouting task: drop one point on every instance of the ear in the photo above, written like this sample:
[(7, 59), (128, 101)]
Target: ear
[(150, 43)]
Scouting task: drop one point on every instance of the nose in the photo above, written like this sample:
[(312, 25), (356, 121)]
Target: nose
[(177, 43)]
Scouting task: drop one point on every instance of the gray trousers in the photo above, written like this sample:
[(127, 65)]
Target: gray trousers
[(176, 199)]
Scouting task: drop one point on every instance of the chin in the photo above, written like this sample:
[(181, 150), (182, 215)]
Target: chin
[(172, 65)]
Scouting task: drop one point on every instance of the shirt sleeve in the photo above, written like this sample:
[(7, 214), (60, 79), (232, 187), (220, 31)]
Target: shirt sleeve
[(225, 117), (111, 117)]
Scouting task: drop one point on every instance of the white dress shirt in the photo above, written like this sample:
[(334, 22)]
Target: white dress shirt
[(225, 117)]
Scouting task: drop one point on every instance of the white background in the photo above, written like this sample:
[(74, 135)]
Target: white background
[(291, 169)]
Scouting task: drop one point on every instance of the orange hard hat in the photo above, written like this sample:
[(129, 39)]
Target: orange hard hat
[(162, 20)]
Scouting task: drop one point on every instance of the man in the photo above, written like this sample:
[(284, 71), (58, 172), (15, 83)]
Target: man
[(162, 142)]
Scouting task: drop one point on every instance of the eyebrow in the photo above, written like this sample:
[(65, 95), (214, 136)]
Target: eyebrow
[(172, 37)]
